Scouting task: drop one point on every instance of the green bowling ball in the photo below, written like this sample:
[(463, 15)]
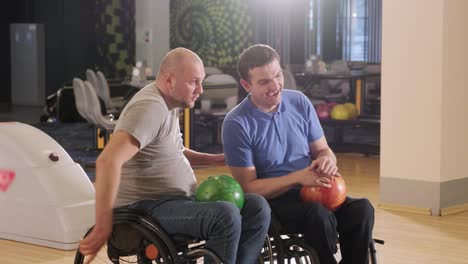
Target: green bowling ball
[(220, 188)]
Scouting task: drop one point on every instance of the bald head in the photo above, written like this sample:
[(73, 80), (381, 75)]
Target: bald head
[(176, 60), (180, 78)]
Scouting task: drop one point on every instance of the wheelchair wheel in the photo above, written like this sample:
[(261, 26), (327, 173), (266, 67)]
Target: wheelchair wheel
[(277, 246), (285, 248), (138, 239), (300, 251), (140, 251), (101, 256), (131, 235), (267, 252), (373, 251)]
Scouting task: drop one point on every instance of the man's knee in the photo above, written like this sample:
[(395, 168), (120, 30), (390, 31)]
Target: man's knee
[(320, 228), (356, 214), (257, 207), (227, 218), (319, 221), (363, 208), (318, 214), (228, 212)]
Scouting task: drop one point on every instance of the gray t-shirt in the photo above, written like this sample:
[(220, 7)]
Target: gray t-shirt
[(160, 168)]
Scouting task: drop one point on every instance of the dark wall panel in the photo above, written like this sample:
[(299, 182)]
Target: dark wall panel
[(18, 11), (70, 42), (331, 47), (70, 39)]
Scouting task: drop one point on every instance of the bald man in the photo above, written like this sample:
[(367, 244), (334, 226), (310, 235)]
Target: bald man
[(146, 167)]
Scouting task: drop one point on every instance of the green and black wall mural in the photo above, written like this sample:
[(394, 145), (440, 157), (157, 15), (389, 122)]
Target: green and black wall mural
[(217, 30), (115, 35)]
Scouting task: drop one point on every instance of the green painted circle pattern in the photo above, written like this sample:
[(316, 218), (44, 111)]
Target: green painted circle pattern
[(220, 188), (217, 30)]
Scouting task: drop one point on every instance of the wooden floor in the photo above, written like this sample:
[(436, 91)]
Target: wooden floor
[(409, 238)]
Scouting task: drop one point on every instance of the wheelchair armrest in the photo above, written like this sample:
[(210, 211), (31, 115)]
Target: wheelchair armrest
[(180, 239), (126, 210), (379, 241)]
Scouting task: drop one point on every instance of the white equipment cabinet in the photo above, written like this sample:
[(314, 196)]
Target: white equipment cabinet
[(51, 200)]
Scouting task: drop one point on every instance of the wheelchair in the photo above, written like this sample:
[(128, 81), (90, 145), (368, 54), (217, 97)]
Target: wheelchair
[(372, 250), (283, 247), (136, 238)]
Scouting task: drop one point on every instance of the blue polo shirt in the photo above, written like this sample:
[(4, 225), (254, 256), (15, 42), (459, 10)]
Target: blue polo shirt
[(275, 143)]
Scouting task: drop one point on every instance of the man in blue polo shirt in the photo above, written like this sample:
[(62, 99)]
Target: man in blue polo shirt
[(274, 144)]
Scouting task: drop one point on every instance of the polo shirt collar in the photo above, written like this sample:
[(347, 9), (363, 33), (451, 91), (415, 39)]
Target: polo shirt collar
[(253, 109)]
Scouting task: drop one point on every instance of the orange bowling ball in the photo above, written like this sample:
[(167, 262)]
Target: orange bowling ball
[(331, 197)]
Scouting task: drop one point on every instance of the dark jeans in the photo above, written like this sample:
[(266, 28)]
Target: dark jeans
[(235, 236), (353, 221)]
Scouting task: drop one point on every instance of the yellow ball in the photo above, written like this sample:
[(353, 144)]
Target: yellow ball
[(340, 112), (352, 110)]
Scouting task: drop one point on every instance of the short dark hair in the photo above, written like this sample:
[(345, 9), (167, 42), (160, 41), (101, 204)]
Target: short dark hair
[(255, 56)]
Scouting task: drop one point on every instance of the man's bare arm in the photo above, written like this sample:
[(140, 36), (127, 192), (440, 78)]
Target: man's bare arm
[(273, 187), (120, 149), (200, 159)]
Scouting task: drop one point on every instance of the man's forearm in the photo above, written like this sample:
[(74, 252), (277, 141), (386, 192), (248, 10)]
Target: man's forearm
[(271, 187), (200, 158), (107, 182), (327, 153)]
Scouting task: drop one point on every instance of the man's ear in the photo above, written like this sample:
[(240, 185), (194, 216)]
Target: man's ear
[(246, 85), (169, 79)]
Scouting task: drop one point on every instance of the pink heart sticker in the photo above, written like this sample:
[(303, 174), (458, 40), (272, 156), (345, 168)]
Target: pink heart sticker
[(6, 178)]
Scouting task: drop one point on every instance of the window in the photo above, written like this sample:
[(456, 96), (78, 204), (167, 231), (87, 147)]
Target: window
[(352, 26), (357, 27)]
